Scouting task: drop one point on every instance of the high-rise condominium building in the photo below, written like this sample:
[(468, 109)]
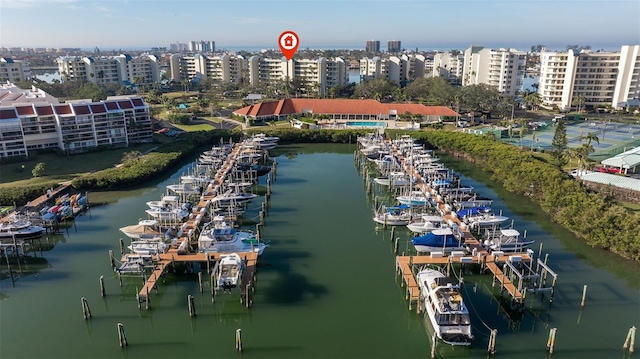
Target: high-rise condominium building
[(502, 68), (596, 78), (394, 46), (372, 46)]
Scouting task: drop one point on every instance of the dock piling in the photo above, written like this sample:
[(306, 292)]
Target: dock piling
[(192, 307), (112, 260), (584, 296), (86, 312), (200, 281), (102, 291), (492, 342), (121, 246), (551, 342), (122, 336), (629, 342), (239, 340)]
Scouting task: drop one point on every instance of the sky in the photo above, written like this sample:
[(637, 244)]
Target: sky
[(423, 24)]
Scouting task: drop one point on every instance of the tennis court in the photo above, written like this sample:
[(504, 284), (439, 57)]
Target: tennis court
[(613, 137)]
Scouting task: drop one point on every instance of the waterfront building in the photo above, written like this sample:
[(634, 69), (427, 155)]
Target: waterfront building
[(14, 70), (34, 120), (372, 46), (502, 68), (600, 78), (394, 46), (449, 66), (372, 68), (121, 69), (343, 109)]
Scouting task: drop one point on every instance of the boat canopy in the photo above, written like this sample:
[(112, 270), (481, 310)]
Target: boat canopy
[(473, 211), (437, 238)]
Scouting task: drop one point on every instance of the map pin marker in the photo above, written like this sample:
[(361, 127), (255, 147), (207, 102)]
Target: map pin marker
[(288, 42)]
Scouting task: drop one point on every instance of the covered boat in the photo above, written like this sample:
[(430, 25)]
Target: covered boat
[(438, 240)]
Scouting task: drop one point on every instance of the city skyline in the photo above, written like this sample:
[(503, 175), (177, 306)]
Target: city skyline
[(139, 24)]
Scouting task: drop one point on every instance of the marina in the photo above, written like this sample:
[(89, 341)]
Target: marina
[(319, 220)]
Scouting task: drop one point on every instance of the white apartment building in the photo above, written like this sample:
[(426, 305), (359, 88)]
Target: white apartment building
[(448, 66), (112, 69), (398, 69), (502, 68), (226, 68), (14, 70), (372, 68), (319, 74), (601, 78), (33, 120), (202, 46), (416, 66)]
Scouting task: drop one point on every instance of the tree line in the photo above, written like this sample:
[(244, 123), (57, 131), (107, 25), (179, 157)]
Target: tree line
[(591, 216)]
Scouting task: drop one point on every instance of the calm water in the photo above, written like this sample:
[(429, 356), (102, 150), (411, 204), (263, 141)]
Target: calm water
[(325, 289)]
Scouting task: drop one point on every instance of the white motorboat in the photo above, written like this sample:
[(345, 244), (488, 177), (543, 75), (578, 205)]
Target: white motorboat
[(218, 237), (445, 307), (394, 179), (506, 240), (394, 216), (19, 229), (144, 227), (438, 240), (186, 188), (231, 197), (165, 201), (481, 217), (230, 271), (414, 198), (426, 223), (149, 245), (170, 213)]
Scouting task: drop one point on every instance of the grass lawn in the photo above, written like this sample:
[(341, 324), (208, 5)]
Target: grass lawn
[(63, 168), (193, 128)]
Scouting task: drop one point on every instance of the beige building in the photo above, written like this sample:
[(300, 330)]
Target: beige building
[(225, 68), (122, 69), (34, 120), (600, 78), (448, 66), (503, 68), (14, 70)]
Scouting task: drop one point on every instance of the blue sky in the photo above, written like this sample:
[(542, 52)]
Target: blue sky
[(426, 24)]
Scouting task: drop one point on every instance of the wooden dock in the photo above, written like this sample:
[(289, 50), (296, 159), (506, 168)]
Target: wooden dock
[(405, 265), (190, 234), (169, 259)]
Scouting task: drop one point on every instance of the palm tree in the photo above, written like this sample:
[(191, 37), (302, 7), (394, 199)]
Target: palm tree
[(523, 126), (579, 102), (532, 99), (590, 136)]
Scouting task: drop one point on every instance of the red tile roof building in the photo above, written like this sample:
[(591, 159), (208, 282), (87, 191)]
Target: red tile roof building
[(29, 121), (344, 109)]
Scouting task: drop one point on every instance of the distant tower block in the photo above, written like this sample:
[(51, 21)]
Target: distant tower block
[(394, 46), (373, 46)]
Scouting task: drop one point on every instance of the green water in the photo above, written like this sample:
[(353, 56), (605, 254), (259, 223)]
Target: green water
[(325, 289)]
